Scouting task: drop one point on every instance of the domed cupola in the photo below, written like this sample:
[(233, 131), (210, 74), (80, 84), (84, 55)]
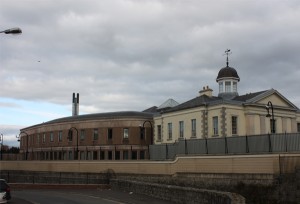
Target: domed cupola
[(228, 79)]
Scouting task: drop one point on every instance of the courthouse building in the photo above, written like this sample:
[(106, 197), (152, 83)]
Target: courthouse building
[(227, 114)]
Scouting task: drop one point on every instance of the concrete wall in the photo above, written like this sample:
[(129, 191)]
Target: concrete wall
[(243, 164)]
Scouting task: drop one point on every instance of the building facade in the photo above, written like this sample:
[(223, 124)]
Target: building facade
[(103, 136), (228, 114)]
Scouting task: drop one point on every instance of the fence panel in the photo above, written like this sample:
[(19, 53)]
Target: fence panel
[(293, 142), (258, 143), (196, 146), (216, 146), (157, 152), (278, 142), (172, 151), (181, 147), (237, 145)]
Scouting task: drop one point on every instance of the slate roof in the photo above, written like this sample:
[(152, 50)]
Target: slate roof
[(195, 102), (206, 100), (152, 109), (95, 116), (248, 96)]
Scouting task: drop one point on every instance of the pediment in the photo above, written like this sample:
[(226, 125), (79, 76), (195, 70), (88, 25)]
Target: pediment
[(276, 99)]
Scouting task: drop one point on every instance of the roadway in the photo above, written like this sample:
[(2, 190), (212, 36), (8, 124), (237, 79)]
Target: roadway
[(80, 197)]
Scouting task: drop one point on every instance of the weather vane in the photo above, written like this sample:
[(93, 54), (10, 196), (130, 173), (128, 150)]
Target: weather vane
[(227, 52)]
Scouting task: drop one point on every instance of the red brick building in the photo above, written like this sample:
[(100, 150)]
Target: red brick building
[(103, 136)]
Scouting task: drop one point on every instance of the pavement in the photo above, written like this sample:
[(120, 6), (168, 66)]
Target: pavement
[(21, 193), (16, 200)]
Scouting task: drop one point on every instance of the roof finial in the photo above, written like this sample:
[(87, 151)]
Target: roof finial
[(227, 52)]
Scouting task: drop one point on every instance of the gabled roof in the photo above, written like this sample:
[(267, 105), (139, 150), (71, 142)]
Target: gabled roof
[(267, 93)]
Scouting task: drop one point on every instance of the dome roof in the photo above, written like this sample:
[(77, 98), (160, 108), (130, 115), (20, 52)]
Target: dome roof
[(228, 72)]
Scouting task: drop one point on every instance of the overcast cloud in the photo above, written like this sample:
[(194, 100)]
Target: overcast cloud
[(133, 54)]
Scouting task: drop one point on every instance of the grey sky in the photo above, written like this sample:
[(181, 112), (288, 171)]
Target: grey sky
[(134, 54)]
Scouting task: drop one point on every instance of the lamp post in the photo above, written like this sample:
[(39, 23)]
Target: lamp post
[(27, 137), (268, 107), (70, 136), (143, 128), (1, 141), (13, 31)]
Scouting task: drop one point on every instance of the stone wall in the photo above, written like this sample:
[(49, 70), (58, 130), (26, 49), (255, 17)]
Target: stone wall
[(255, 188), (178, 194)]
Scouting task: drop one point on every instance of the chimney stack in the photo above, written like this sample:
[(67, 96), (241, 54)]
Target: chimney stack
[(206, 91), (75, 105)]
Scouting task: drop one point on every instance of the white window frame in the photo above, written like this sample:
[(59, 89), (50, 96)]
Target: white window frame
[(227, 86)]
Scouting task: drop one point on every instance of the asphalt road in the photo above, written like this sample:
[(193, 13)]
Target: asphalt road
[(80, 196)]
